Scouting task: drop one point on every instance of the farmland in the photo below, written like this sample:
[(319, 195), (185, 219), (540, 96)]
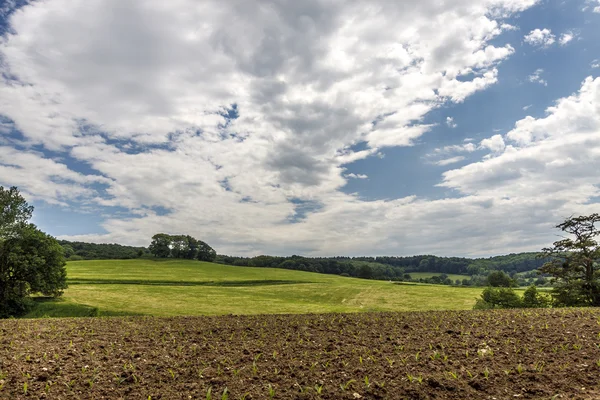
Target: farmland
[(181, 287), (424, 275), (529, 354)]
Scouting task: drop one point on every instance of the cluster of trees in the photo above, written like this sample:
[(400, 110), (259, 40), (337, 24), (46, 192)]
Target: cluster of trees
[(344, 267), (511, 263), (397, 268), (100, 251), (30, 260), (574, 265), (181, 246), (503, 297)]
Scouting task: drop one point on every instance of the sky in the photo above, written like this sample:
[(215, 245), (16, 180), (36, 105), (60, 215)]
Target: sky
[(320, 128)]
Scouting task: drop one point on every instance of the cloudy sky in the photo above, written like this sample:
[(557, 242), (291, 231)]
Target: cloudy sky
[(316, 127)]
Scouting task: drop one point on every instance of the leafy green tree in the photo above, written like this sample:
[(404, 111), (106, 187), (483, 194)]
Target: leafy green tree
[(500, 279), (575, 263), (14, 212), (205, 252), (68, 251), (161, 245), (534, 299), (500, 297), (179, 246), (365, 271), (192, 248), (30, 260)]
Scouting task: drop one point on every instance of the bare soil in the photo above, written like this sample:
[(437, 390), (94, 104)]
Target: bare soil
[(523, 354)]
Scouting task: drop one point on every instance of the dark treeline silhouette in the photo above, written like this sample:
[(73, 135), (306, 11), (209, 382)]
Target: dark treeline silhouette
[(100, 251), (396, 268)]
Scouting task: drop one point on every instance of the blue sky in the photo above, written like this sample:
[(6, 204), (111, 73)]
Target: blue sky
[(462, 128)]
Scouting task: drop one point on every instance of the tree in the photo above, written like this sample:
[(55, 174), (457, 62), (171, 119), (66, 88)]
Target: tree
[(534, 299), (30, 260), (205, 252), (161, 245), (14, 212), (498, 298), (192, 248), (499, 279), (179, 246), (365, 271), (575, 263)]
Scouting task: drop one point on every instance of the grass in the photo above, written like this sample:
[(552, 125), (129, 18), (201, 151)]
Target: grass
[(424, 275), (46, 307), (181, 287)]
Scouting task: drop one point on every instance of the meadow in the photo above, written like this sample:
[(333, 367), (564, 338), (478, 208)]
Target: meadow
[(182, 287), (425, 275)]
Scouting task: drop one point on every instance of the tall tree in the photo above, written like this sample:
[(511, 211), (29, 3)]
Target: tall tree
[(14, 212), (500, 279), (30, 261), (205, 252), (575, 263), (192, 247), (161, 245)]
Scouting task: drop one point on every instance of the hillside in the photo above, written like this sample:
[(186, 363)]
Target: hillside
[(182, 287)]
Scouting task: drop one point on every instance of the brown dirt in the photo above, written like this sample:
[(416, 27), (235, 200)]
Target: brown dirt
[(525, 354)]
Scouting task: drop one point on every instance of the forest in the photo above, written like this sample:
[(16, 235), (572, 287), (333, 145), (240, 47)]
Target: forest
[(75, 251)]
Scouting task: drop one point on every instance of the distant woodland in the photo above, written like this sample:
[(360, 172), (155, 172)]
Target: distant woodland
[(520, 266), (100, 251)]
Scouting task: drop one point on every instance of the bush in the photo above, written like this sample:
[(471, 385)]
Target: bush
[(534, 299), (492, 298), (498, 298)]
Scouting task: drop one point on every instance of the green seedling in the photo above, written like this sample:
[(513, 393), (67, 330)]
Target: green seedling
[(319, 389), (271, 391)]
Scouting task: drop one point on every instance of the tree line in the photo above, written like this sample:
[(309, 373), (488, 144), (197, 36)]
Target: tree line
[(181, 246), (100, 251), (396, 268)]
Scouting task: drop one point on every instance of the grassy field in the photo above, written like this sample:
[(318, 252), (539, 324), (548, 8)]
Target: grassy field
[(181, 287), (423, 275)]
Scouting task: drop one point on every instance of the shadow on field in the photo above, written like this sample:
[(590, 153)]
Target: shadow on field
[(244, 283), (50, 307)]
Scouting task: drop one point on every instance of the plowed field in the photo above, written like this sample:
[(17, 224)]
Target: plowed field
[(524, 354)]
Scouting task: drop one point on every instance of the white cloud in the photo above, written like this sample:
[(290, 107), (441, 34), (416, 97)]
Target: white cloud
[(451, 160), (536, 77), (139, 96), (595, 64), (356, 176), (566, 38), (593, 5), (495, 143), (457, 148), (450, 122), (450, 154), (556, 156), (527, 107), (540, 38)]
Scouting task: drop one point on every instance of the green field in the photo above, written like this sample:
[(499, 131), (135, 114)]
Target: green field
[(181, 287), (424, 275)]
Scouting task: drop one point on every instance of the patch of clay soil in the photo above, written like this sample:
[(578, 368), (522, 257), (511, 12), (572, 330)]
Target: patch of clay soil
[(524, 354)]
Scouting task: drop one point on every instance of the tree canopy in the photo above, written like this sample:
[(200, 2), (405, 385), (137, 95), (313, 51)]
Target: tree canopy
[(100, 251), (575, 263), (181, 246), (30, 260)]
